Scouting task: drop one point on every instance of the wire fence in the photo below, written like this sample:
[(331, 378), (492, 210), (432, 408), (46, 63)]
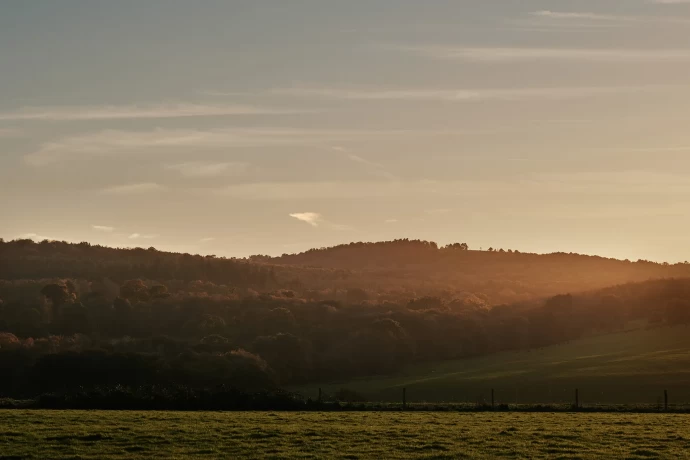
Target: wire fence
[(503, 401)]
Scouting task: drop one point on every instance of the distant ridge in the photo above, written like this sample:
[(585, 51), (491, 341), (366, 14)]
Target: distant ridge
[(407, 268)]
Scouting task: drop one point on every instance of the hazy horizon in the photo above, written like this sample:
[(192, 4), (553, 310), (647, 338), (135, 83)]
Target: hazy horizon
[(40, 238), (266, 127)]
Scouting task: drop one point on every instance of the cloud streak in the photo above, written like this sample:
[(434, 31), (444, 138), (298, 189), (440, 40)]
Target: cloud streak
[(10, 132), (574, 15), (311, 218), (103, 228), (613, 183), (35, 237), (467, 95), (291, 191), (515, 54), (564, 16), (112, 142), (438, 211), (203, 169), (316, 220), (139, 236), (125, 112), (375, 169), (133, 189)]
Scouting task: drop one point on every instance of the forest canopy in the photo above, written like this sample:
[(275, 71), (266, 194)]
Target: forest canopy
[(82, 315)]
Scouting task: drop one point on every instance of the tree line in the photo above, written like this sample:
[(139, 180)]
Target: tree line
[(59, 334)]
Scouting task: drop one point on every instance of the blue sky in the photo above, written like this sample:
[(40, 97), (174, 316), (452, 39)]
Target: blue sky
[(243, 127)]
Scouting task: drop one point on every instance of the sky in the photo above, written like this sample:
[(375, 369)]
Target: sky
[(267, 127)]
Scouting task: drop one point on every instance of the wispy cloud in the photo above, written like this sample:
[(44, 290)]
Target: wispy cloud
[(10, 132), (375, 169), (35, 237), (114, 112), (574, 15), (340, 227), (133, 189), (438, 211), (391, 221), (567, 18), (214, 93), (291, 191), (139, 236), (316, 220), (493, 54), (206, 240), (468, 95), (312, 218), (358, 159), (112, 142), (103, 228), (638, 150), (203, 169), (612, 183)]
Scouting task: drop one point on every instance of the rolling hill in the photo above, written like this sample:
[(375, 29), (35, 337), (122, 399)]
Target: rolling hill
[(385, 271), (500, 276)]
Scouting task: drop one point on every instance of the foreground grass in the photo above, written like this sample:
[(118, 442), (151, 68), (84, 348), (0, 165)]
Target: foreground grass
[(632, 367), (109, 435)]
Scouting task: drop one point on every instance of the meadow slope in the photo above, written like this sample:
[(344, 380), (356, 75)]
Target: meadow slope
[(632, 367)]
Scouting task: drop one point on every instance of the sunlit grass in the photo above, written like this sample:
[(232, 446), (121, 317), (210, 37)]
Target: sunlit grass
[(111, 435), (633, 367)]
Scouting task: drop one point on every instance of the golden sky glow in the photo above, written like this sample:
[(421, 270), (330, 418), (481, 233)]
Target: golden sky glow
[(243, 127)]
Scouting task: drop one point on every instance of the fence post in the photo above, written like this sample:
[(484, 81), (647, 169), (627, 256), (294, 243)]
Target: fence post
[(666, 400), (492, 398), (577, 398), (404, 398), (319, 395)]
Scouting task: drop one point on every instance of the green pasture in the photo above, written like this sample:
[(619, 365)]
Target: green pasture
[(351, 435), (633, 367)]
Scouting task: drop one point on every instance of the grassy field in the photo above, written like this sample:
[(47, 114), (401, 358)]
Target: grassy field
[(111, 435), (627, 368)]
